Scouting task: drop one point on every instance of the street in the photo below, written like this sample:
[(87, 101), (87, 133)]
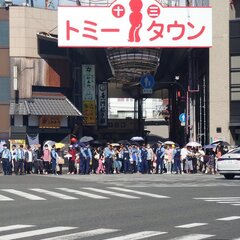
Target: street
[(119, 207)]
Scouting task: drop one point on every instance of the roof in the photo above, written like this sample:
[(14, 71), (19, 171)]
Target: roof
[(46, 106)]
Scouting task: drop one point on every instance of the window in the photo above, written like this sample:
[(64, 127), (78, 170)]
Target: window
[(4, 34), (5, 89)]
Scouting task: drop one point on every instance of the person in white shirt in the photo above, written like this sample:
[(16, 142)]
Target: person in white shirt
[(184, 153)]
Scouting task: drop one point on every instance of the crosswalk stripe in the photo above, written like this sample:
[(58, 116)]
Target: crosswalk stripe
[(15, 227), (4, 198), (139, 235), (85, 194), (85, 234), (23, 194), (35, 233), (235, 204), (54, 194), (112, 193), (217, 198), (229, 218), (191, 225), (193, 237), (227, 199), (140, 193), (229, 202)]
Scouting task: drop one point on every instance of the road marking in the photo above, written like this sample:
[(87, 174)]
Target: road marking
[(85, 234), (35, 233), (235, 204), (191, 225), (112, 193), (139, 235), (54, 194), (229, 202), (4, 198), (14, 227), (229, 218), (23, 194), (85, 194), (193, 237), (140, 193), (217, 198)]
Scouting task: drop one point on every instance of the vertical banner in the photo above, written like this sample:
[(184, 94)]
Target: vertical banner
[(89, 94), (103, 104)]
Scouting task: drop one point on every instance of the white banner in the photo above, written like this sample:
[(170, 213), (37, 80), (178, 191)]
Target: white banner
[(88, 82), (33, 140), (102, 104), (134, 23)]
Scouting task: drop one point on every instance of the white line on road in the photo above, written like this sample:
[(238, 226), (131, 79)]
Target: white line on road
[(85, 234), (229, 202), (191, 225), (139, 235), (138, 192), (4, 198), (111, 193), (35, 233), (229, 218), (23, 194), (217, 198), (53, 194), (235, 204), (85, 194), (193, 237), (14, 227)]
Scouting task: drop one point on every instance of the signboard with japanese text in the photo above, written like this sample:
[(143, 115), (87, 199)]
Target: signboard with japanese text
[(89, 112), (134, 23), (49, 122), (89, 94), (103, 104), (88, 82)]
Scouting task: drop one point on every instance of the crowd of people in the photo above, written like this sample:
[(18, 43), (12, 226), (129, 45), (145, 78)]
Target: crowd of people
[(110, 159)]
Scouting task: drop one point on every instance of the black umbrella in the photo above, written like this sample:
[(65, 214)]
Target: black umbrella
[(223, 143), (96, 143), (124, 142)]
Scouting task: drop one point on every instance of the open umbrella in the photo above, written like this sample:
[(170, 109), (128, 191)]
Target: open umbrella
[(79, 144), (124, 142), (115, 144), (59, 145), (137, 138), (223, 143), (86, 139), (50, 143), (169, 143), (209, 146), (194, 144)]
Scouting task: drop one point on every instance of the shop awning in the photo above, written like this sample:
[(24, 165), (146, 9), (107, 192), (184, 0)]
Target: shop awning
[(45, 106)]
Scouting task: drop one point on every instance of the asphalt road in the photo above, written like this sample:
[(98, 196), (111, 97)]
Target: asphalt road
[(119, 207)]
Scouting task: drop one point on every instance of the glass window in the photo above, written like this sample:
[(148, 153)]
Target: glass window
[(235, 77), (5, 89), (4, 34), (235, 62)]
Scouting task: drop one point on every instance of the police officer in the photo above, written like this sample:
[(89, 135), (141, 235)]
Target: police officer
[(126, 159), (20, 160), (109, 153), (86, 154), (160, 155), (6, 158), (144, 154)]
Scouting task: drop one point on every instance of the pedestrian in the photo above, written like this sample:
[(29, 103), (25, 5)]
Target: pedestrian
[(29, 160), (126, 159), (86, 158), (168, 157), (96, 156), (20, 160), (150, 157), (46, 159), (60, 161), (38, 161), (71, 160), (160, 151), (6, 158), (108, 155), (144, 154), (183, 153), (54, 157), (14, 157), (177, 160)]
